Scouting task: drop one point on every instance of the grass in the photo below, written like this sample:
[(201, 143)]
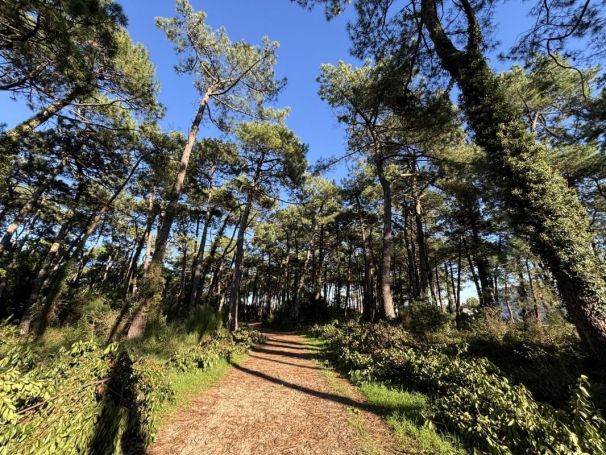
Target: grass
[(354, 419), (404, 414), (403, 411), (187, 384)]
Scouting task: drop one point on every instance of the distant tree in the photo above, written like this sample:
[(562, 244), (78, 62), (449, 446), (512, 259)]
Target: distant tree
[(271, 155), (236, 78)]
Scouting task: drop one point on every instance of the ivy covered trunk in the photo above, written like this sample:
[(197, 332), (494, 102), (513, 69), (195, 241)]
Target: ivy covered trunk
[(543, 208)]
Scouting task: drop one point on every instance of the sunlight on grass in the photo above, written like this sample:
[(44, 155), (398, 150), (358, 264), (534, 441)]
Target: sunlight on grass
[(187, 384), (404, 414), (402, 410)]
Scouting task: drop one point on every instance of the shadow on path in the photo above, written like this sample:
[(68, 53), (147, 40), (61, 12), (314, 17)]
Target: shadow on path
[(323, 395), (287, 346), (279, 352), (283, 363)]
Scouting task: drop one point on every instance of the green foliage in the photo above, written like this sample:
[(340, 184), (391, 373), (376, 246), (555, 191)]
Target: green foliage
[(90, 399), (238, 76), (204, 319), (470, 395), (547, 360), (420, 317), (406, 415), (210, 352)]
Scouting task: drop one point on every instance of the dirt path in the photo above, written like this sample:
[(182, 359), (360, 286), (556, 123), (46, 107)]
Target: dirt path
[(279, 401)]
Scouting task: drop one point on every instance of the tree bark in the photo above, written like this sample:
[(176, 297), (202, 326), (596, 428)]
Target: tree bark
[(30, 204), (45, 114), (145, 238), (234, 294), (153, 275), (388, 307), (47, 263), (198, 263), (487, 295), (544, 208)]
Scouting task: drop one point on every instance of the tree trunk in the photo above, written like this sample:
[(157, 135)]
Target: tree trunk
[(38, 119), (198, 263), (413, 271), (215, 280), (318, 268), (544, 208), (450, 285), (486, 294), (424, 268), (438, 288), (458, 290), (145, 238), (472, 269), (388, 307), (153, 275), (31, 203), (234, 294), (47, 262)]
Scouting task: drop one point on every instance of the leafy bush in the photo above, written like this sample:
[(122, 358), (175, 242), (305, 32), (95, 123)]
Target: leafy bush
[(90, 399), (420, 317), (471, 396), (207, 354), (548, 366)]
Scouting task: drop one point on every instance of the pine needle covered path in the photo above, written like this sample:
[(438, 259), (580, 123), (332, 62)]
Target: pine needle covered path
[(279, 401)]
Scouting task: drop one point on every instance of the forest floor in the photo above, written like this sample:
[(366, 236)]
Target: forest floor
[(280, 400)]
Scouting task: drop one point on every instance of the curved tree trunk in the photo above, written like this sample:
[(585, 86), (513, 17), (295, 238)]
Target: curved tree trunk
[(544, 208)]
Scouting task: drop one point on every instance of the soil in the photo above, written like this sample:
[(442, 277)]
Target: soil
[(280, 400)]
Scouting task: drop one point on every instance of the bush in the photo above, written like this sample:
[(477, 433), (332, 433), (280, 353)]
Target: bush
[(470, 396), (420, 317), (90, 399)]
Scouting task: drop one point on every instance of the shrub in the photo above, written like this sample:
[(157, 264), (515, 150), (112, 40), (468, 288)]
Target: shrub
[(420, 317), (90, 399), (470, 396)]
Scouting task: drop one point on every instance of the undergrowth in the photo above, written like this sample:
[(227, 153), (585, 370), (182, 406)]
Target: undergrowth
[(69, 396), (405, 412), (468, 395)]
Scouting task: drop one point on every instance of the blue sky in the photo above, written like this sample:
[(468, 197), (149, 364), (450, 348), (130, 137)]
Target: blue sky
[(307, 40)]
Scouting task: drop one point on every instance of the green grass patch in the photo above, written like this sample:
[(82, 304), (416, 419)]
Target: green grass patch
[(354, 420), (404, 413), (187, 384)]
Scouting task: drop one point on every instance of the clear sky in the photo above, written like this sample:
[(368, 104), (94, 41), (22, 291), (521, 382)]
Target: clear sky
[(306, 41)]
